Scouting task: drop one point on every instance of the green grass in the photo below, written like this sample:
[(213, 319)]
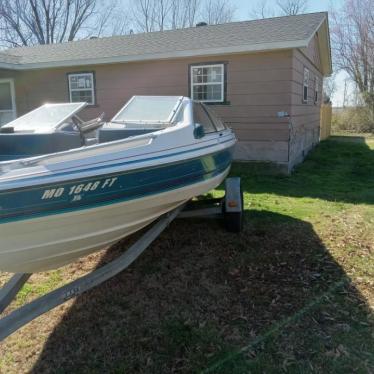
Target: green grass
[(33, 290), (334, 185), (293, 293)]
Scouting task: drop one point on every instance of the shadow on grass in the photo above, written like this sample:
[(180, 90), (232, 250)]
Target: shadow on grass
[(199, 295), (339, 169)]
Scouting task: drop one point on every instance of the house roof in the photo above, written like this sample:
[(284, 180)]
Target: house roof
[(235, 37)]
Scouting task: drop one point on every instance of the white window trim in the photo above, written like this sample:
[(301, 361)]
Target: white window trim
[(13, 97), (316, 90), (306, 84), (83, 89), (222, 84)]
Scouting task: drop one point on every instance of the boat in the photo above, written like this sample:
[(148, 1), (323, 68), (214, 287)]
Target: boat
[(70, 187)]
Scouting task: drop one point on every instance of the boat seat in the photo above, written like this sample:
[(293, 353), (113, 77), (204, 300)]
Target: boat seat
[(21, 145), (109, 134)]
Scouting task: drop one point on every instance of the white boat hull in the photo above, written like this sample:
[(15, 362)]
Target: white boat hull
[(49, 242)]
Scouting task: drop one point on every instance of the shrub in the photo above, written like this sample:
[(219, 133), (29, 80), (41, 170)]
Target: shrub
[(353, 119)]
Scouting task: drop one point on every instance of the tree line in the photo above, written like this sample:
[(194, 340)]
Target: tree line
[(30, 22)]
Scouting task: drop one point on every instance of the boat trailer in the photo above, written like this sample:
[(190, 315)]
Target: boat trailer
[(230, 208)]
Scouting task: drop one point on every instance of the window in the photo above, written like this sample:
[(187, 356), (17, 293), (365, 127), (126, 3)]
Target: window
[(7, 101), (305, 85), (201, 117), (316, 90), (46, 118), (148, 109), (207, 83), (82, 88)]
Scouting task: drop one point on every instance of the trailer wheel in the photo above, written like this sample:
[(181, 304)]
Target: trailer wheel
[(234, 220)]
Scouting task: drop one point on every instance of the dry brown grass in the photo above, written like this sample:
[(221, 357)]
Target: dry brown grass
[(293, 292)]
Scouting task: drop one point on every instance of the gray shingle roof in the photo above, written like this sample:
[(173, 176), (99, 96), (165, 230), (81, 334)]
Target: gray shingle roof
[(264, 34), (8, 58)]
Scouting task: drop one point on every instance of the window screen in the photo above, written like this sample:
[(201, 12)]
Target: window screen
[(148, 109)]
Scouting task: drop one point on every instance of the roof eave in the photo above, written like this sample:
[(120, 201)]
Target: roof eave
[(263, 47), (324, 44), (8, 66)]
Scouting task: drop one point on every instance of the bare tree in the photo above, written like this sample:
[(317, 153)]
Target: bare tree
[(29, 22), (329, 87), (144, 15), (261, 9), (155, 15), (183, 13), (292, 7), (217, 11), (353, 45), (161, 13), (110, 18)]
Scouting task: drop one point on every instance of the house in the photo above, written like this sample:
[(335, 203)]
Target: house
[(264, 77)]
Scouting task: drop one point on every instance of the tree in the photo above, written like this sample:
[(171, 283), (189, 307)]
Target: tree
[(144, 15), (262, 10), (352, 34), (283, 8), (183, 13), (29, 22), (217, 11), (292, 7), (329, 88), (158, 15)]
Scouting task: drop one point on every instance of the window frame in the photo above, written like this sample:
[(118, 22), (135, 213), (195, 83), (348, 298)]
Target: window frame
[(316, 89), (223, 83), (93, 89), (13, 99), (306, 85)]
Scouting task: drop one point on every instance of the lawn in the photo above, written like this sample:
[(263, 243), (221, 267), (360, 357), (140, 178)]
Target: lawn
[(293, 293)]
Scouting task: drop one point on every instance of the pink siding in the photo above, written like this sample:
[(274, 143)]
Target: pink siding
[(312, 52), (259, 85), (305, 116)]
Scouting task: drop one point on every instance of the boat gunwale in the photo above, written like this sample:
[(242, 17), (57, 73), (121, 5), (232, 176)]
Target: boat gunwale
[(83, 167), (140, 168)]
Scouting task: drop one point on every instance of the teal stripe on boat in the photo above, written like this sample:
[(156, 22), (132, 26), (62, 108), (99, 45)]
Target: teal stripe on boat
[(92, 192)]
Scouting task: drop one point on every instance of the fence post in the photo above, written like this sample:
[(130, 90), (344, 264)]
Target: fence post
[(326, 115)]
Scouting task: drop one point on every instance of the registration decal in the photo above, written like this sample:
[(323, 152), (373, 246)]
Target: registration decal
[(77, 189)]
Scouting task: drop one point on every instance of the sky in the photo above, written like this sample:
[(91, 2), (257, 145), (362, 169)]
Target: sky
[(243, 12), (244, 6)]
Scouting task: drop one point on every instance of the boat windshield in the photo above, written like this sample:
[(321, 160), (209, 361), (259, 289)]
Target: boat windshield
[(45, 119), (149, 110)]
